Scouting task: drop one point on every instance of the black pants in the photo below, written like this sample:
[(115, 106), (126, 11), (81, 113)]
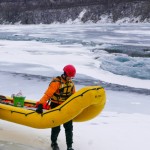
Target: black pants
[(68, 131)]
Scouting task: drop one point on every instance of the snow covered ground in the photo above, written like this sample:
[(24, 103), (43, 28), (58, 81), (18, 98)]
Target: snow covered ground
[(124, 124), (28, 63)]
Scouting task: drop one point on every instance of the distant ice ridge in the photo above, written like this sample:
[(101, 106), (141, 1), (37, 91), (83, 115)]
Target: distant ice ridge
[(104, 18)]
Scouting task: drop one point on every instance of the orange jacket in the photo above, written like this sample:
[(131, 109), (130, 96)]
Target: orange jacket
[(53, 88)]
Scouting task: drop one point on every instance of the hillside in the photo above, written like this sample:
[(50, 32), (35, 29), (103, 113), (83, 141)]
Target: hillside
[(49, 11)]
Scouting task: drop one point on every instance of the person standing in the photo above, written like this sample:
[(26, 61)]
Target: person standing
[(59, 90)]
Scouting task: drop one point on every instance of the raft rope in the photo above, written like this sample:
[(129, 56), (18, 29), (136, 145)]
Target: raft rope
[(49, 111)]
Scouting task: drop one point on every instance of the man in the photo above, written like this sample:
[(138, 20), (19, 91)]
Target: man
[(60, 89)]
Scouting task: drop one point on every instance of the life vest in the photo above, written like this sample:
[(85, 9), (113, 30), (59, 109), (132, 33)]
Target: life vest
[(64, 92)]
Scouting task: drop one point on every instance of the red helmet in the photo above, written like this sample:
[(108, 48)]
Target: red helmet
[(70, 70)]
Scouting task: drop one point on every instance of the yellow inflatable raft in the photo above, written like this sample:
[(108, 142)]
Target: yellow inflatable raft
[(84, 105)]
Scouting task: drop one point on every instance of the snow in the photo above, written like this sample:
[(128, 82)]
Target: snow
[(124, 124), (117, 129)]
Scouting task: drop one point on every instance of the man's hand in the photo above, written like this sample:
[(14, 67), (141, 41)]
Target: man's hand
[(39, 109)]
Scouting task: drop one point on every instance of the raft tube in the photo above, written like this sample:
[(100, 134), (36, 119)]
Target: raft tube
[(84, 105)]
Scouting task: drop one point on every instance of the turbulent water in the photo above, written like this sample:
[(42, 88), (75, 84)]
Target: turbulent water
[(119, 49)]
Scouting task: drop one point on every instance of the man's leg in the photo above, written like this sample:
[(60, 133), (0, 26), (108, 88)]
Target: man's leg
[(69, 133), (54, 134)]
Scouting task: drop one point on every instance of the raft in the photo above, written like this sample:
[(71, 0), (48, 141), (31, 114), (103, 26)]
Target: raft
[(84, 105)]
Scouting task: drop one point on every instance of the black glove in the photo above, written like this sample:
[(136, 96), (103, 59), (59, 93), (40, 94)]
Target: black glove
[(39, 109), (2, 97)]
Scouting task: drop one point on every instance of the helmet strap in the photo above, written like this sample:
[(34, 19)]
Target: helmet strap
[(64, 75)]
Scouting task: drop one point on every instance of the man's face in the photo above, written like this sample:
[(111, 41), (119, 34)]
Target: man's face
[(68, 78)]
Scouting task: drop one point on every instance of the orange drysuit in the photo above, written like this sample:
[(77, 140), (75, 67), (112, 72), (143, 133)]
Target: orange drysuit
[(58, 91)]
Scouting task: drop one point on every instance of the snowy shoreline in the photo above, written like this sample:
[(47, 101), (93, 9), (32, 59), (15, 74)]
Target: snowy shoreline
[(124, 124), (85, 80)]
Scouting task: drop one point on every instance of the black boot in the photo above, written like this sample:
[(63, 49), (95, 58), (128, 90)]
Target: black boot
[(70, 148), (54, 146)]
